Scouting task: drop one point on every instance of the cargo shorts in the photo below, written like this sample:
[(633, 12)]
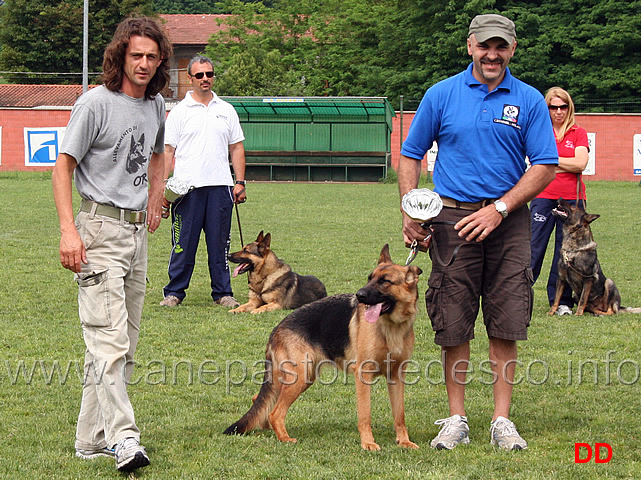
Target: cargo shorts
[(495, 272)]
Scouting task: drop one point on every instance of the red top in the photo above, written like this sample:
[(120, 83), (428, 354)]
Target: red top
[(564, 184)]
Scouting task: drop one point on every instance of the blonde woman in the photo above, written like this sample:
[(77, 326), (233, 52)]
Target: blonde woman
[(572, 145)]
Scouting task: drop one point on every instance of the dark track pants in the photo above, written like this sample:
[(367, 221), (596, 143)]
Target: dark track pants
[(543, 222), (207, 209)]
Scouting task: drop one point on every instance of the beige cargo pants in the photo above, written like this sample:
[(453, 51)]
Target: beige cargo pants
[(110, 301)]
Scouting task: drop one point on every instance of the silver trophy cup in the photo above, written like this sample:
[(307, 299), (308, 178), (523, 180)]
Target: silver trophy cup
[(422, 205)]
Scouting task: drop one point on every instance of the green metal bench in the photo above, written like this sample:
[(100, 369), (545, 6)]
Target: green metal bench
[(314, 166)]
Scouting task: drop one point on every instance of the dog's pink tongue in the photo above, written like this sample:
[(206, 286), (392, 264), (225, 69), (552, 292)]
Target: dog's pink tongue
[(373, 312), (237, 270)]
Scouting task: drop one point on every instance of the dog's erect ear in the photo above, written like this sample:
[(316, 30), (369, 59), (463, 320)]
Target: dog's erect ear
[(259, 238), (412, 274), (263, 244), (590, 217), (385, 258)]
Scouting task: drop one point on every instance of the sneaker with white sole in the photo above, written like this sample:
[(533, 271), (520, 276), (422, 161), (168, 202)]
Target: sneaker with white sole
[(454, 431), (94, 453), (503, 433), (227, 301), (170, 301), (130, 455), (563, 310)]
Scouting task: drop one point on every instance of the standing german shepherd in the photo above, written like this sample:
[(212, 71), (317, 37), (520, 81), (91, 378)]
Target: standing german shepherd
[(370, 334), (272, 283), (580, 268)]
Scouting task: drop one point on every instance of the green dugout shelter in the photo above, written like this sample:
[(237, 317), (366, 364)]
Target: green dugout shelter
[(339, 139)]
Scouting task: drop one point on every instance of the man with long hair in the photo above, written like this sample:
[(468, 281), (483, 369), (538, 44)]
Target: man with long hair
[(114, 144)]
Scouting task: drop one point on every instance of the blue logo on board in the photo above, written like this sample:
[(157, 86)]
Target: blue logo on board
[(42, 146)]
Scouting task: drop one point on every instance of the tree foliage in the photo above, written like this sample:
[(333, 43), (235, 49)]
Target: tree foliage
[(355, 47), (265, 51), (193, 6), (46, 36), (402, 47)]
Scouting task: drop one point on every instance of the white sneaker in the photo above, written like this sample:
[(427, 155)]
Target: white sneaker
[(94, 453), (503, 433), (563, 310), (453, 432), (130, 455)]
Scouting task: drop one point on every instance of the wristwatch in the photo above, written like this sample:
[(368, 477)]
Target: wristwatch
[(501, 207), (241, 182)]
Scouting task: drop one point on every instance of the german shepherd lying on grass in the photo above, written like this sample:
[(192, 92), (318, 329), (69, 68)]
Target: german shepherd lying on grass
[(580, 268), (370, 333), (272, 283)]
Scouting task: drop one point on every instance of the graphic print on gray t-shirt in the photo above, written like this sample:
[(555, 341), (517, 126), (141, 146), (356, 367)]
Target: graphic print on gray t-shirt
[(136, 157)]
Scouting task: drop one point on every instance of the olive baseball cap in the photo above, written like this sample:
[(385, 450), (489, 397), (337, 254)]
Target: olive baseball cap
[(492, 25)]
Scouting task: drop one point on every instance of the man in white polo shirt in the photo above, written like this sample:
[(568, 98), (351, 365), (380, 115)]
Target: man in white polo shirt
[(202, 132)]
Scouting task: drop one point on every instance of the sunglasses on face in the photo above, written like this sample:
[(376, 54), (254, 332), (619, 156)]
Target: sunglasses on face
[(565, 106), (200, 75)]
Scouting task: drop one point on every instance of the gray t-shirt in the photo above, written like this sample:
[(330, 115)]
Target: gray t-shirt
[(112, 137)]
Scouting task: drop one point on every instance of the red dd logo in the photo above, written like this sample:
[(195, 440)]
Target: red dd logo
[(597, 452)]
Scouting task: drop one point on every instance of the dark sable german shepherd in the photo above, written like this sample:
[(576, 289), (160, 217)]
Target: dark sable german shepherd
[(580, 268), (272, 283), (370, 333)]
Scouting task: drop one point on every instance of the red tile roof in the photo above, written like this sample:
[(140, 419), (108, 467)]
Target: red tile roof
[(192, 29), (29, 96), (182, 30)]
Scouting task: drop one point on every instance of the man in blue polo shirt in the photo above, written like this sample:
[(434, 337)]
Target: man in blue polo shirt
[(485, 122)]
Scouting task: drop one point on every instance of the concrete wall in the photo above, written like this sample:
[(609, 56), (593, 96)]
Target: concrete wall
[(613, 149)]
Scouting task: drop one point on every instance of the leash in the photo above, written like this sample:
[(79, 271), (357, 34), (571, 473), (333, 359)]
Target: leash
[(571, 266), (431, 245), (579, 200), (414, 250), (240, 230)]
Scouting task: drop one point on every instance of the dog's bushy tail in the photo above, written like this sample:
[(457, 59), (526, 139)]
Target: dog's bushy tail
[(258, 414), (629, 310)]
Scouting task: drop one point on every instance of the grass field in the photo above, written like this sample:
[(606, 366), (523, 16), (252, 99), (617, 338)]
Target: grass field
[(198, 367)]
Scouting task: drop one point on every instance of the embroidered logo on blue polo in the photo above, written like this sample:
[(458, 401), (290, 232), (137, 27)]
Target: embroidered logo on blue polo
[(510, 116)]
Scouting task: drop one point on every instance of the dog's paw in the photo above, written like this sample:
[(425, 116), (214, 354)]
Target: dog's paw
[(370, 446), (288, 440), (241, 308), (267, 307), (408, 444)]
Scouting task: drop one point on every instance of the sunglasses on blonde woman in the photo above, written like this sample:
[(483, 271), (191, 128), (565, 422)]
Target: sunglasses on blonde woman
[(565, 106)]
